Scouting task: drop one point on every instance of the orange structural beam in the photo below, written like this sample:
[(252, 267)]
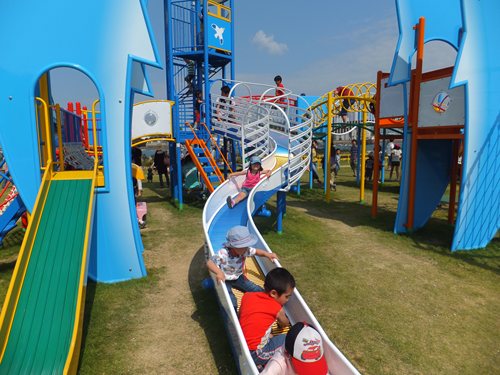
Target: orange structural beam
[(415, 103)]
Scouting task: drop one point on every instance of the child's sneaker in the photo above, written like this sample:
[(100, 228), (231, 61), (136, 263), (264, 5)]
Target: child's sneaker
[(230, 202), (397, 179)]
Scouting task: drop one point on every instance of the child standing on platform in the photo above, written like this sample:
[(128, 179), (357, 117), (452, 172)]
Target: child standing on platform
[(228, 262), (279, 86), (189, 78), (197, 112), (252, 179), (259, 311)]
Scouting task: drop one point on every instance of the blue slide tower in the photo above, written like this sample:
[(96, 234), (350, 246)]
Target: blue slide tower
[(201, 31)]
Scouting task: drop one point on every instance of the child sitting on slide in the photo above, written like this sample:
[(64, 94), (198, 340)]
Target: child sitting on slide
[(302, 354), (252, 179), (229, 261), (258, 312)]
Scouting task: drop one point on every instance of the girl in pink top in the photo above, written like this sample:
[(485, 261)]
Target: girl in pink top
[(252, 179)]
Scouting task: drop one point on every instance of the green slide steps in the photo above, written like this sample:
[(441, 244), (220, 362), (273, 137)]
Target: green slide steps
[(42, 328)]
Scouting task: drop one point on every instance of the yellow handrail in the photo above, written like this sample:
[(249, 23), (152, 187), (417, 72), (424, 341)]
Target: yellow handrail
[(16, 284), (219, 10), (94, 128), (361, 96), (47, 134), (59, 135)]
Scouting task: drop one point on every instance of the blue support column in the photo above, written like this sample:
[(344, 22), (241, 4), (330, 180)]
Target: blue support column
[(173, 156), (263, 212), (281, 210), (217, 153), (224, 151), (298, 187), (179, 174), (233, 156)]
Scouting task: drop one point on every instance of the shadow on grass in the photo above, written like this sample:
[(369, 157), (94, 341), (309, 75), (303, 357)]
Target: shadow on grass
[(209, 316), (8, 266), (89, 302)]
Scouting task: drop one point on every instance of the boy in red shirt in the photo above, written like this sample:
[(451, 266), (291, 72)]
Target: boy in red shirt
[(258, 312), (279, 86)]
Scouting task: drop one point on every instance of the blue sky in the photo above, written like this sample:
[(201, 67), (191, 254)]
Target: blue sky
[(314, 45)]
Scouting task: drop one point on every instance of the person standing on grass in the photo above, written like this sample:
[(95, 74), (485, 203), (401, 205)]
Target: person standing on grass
[(337, 162), (369, 167), (381, 160), (160, 162), (354, 157), (333, 166), (396, 161), (388, 151), (315, 160)]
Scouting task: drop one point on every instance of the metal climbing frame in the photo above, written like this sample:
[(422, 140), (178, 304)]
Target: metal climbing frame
[(248, 118)]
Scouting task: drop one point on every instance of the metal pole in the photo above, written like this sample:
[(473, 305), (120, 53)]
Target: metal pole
[(179, 173), (363, 157), (328, 148), (414, 126)]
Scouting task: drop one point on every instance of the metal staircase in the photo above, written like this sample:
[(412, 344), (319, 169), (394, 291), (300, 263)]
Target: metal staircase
[(209, 169)]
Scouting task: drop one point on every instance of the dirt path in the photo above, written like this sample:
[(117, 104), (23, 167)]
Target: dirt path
[(169, 338)]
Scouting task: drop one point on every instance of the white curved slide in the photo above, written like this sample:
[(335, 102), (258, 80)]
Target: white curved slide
[(218, 219)]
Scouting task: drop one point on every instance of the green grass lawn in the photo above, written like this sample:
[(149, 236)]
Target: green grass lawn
[(391, 303)]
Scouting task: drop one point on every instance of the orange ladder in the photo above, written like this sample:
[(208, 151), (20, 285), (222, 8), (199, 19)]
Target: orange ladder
[(210, 172)]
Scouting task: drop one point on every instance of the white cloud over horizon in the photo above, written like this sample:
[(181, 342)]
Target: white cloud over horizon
[(269, 44), (371, 48)]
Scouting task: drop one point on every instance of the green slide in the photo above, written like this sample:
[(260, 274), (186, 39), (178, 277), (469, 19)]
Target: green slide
[(43, 325)]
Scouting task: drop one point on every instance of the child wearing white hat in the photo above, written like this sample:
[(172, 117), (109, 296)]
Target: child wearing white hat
[(228, 262)]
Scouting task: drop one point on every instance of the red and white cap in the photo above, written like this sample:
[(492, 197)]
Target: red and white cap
[(305, 345)]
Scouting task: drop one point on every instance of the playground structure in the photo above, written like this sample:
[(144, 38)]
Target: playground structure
[(444, 111), (431, 133), (284, 129), (12, 208), (83, 222), (328, 106), (96, 202), (250, 121), (83, 190)]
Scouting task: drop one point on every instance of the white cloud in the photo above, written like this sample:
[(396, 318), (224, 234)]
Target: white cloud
[(370, 48), (268, 43)]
